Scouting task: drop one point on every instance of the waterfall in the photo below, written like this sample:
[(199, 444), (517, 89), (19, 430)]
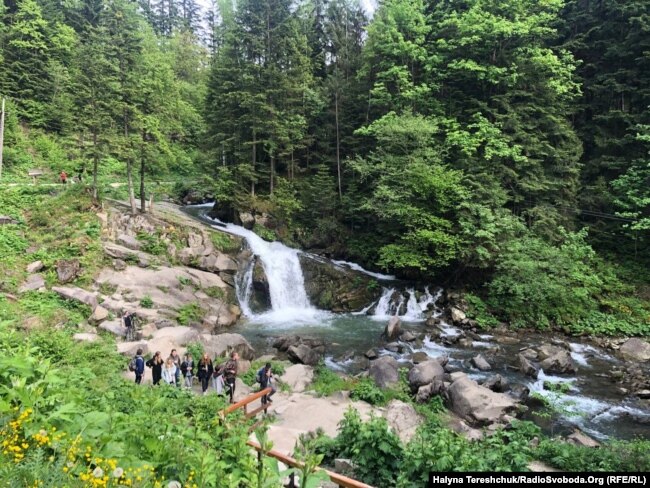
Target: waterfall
[(387, 306), (289, 301)]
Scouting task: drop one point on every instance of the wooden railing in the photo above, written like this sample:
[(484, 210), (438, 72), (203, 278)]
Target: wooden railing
[(342, 481)]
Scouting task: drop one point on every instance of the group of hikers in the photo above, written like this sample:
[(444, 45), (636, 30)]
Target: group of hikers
[(174, 371)]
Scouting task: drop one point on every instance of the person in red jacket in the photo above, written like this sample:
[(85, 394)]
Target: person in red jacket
[(64, 177)]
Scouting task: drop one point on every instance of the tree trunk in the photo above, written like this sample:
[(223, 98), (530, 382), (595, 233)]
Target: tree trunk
[(272, 174), (95, 168), (129, 166), (143, 200), (338, 141)]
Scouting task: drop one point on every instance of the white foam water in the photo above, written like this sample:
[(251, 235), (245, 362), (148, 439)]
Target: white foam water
[(356, 267), (388, 305)]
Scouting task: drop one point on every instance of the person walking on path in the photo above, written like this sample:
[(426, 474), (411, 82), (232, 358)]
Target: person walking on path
[(177, 362), (217, 379), (169, 372), (264, 377), (205, 371), (156, 364), (230, 373), (187, 369), (139, 366)]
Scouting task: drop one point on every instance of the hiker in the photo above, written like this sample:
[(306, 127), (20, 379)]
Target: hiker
[(64, 177), (139, 366), (230, 373), (156, 364), (129, 323), (177, 362), (217, 379), (187, 368), (169, 372), (264, 378), (205, 371)]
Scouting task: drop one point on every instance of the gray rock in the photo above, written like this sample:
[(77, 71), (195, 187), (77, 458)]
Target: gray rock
[(67, 270), (457, 315), (427, 391), (303, 354), (581, 439), (6, 220), (247, 220), (529, 353), (35, 267), (392, 330), (384, 371), (77, 294), (481, 363), (546, 351), (298, 377), (115, 327), (130, 349), (129, 242), (497, 383), (644, 394), (402, 419), (635, 349), (163, 323), (33, 282), (371, 353), (394, 347), (85, 337), (526, 367), (560, 363), (344, 466), (119, 264), (419, 357), (477, 404), (99, 315), (425, 373), (407, 336), (465, 342), (519, 392), (223, 344)]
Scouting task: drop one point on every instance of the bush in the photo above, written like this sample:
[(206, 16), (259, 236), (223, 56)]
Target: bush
[(327, 381), (192, 312), (146, 302), (366, 390), (627, 456)]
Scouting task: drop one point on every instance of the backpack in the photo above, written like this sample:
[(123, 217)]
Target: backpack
[(260, 375), (132, 364)]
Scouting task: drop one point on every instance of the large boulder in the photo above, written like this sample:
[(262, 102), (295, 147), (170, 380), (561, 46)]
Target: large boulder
[(477, 404), (497, 383), (558, 363), (130, 349), (129, 242), (579, 438), (247, 220), (548, 350), (67, 270), (392, 330), (35, 267), (481, 363), (77, 294), (99, 315), (285, 342), (526, 367), (303, 354), (636, 350), (224, 344), (33, 282), (115, 327), (298, 377), (384, 371), (427, 391), (402, 419), (425, 373), (457, 315)]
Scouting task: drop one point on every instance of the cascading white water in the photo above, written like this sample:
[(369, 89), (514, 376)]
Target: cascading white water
[(414, 308), (289, 301), (356, 267)]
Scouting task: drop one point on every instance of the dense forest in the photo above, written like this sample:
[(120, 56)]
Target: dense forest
[(497, 146)]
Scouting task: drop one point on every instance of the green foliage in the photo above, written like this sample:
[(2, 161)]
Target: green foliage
[(146, 302), (224, 242), (152, 244), (478, 310), (191, 312), (373, 447), (215, 292), (265, 233), (366, 390), (625, 456), (196, 350), (327, 381)]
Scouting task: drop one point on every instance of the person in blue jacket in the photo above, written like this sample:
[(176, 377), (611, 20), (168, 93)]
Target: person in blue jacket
[(139, 366)]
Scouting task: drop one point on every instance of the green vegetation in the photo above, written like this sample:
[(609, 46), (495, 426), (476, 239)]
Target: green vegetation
[(191, 312), (327, 381), (146, 302), (249, 377)]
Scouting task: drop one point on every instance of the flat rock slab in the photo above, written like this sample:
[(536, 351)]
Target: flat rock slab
[(298, 377), (636, 349), (115, 327), (35, 267), (33, 282), (477, 404), (403, 419), (77, 294)]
